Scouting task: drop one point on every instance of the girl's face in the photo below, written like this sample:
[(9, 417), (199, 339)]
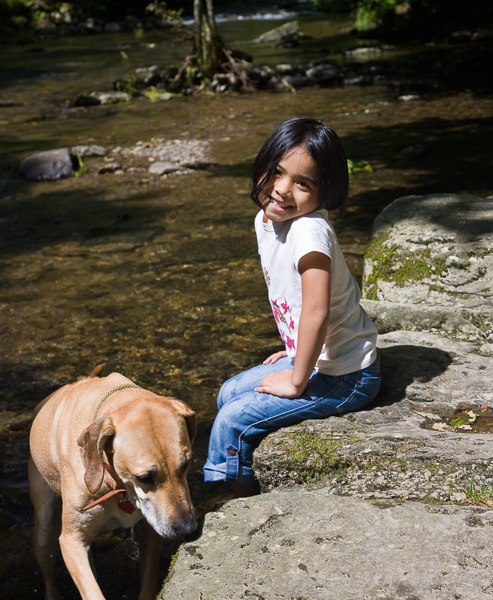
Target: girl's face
[(292, 191)]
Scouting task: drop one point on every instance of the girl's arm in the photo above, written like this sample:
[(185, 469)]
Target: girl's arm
[(315, 284)]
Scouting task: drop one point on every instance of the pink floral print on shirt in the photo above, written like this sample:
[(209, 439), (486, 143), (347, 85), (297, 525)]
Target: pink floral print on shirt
[(281, 311)]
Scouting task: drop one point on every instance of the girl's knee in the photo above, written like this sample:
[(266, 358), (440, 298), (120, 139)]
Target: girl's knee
[(226, 393)]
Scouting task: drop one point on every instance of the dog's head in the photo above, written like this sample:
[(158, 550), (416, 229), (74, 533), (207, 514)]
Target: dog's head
[(149, 445)]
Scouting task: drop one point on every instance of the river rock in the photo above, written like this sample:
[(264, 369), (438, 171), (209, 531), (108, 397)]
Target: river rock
[(402, 446), (163, 168), (323, 72), (312, 544), (47, 165), (97, 98), (87, 150), (287, 32), (429, 255)]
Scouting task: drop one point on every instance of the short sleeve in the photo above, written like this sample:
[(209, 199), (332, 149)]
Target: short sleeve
[(311, 233)]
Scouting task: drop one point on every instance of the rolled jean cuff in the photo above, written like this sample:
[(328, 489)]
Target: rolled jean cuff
[(231, 470)]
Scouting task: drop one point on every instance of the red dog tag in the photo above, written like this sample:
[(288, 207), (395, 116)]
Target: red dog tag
[(126, 506)]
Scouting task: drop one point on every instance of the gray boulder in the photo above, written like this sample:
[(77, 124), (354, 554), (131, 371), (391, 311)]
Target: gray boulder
[(429, 266), (287, 32), (312, 544), (47, 165)]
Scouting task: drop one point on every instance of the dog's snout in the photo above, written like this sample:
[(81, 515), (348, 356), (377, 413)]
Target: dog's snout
[(185, 526)]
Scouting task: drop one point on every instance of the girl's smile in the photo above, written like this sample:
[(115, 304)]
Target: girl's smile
[(292, 191)]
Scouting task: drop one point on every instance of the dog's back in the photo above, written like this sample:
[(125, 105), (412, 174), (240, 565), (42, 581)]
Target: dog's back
[(60, 418)]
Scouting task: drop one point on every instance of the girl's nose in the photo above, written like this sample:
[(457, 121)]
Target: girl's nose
[(281, 185)]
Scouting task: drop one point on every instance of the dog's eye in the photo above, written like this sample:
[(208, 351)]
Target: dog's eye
[(148, 478)]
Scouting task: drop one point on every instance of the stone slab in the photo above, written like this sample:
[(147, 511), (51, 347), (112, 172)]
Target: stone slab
[(312, 544), (387, 451)]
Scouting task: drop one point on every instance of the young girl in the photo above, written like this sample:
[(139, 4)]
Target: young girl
[(329, 365)]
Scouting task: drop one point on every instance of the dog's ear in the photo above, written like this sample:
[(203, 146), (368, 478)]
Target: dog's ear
[(91, 443), (190, 417), (191, 421)]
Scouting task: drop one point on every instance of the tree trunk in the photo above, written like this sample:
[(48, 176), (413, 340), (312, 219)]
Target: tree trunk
[(208, 44)]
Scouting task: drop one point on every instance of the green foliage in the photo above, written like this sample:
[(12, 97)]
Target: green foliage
[(359, 166), (164, 13), (154, 95), (376, 12), (460, 421), (82, 170), (419, 18), (481, 497), (15, 13), (128, 83)]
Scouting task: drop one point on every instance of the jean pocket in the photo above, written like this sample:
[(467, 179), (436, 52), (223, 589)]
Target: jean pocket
[(363, 392)]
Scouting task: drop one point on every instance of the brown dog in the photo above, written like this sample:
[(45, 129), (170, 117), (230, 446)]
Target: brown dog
[(104, 454)]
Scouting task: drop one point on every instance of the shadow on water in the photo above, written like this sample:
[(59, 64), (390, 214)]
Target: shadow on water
[(44, 218)]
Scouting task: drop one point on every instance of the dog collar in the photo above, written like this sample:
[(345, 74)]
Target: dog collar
[(124, 504), (122, 386)]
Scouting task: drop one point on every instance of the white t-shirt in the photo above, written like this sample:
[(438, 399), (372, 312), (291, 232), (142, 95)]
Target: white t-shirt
[(350, 341)]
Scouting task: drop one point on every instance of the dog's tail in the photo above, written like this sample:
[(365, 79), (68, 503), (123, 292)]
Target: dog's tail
[(96, 372)]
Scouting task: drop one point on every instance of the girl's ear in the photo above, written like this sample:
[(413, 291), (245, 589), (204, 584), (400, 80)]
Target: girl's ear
[(91, 443)]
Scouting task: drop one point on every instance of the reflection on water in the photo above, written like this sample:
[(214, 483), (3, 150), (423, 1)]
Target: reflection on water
[(160, 278)]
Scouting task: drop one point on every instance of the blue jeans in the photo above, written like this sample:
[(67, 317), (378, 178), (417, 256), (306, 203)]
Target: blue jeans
[(245, 417)]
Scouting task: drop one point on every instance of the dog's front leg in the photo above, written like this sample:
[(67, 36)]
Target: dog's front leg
[(75, 552), (149, 550)]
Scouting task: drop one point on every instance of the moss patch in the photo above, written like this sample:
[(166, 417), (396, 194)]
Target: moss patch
[(389, 263), (314, 457)]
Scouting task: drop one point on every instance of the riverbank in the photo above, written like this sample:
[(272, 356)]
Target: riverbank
[(382, 495), (159, 275)]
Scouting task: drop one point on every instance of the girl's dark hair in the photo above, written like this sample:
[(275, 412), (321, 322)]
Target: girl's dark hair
[(324, 147)]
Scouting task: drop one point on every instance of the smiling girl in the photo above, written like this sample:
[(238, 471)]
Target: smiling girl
[(329, 365)]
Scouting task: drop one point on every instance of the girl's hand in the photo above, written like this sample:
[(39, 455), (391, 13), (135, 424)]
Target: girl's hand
[(279, 384), (273, 358)]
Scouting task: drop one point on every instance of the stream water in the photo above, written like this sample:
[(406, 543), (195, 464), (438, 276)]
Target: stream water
[(159, 278)]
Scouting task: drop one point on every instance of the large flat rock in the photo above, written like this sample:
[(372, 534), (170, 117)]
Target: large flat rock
[(393, 449), (312, 544)]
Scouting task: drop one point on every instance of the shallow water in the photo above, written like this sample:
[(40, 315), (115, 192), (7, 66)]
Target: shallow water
[(160, 278)]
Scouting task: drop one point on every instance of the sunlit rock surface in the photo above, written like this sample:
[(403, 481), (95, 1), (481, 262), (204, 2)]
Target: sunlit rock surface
[(403, 446), (429, 266), (312, 544)]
